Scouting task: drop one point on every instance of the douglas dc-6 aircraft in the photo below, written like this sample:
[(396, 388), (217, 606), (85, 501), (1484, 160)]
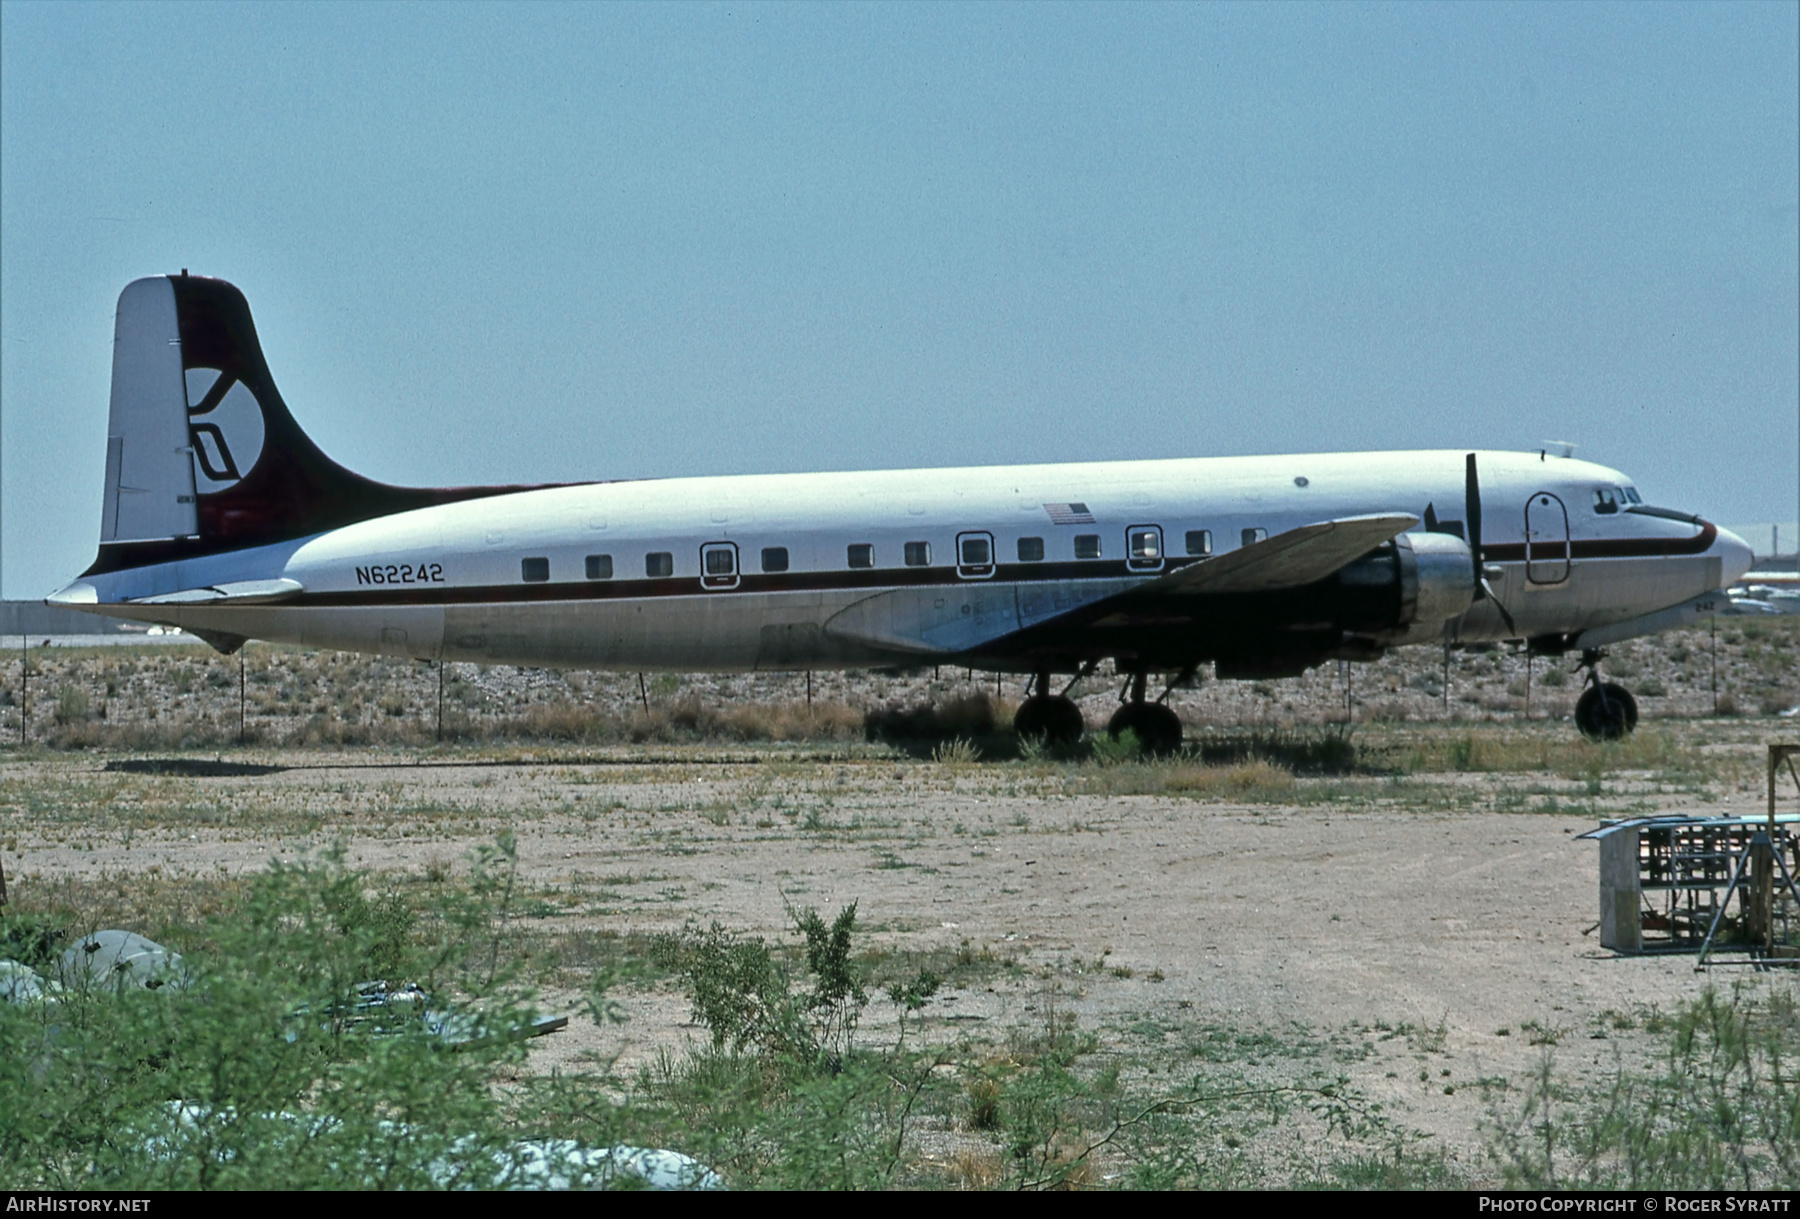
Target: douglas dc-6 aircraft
[(222, 518)]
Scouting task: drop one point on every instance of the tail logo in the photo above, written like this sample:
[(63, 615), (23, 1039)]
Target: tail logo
[(225, 427)]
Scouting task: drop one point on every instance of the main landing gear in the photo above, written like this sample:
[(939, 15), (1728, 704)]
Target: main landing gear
[(1157, 726), (1052, 718), (1605, 711)]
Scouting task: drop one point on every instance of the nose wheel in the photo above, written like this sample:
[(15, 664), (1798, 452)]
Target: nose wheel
[(1606, 711), (1052, 718), (1157, 726)]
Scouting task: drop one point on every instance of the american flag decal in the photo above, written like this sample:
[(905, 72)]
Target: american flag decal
[(1069, 514)]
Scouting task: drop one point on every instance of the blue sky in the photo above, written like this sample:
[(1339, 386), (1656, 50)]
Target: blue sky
[(534, 243)]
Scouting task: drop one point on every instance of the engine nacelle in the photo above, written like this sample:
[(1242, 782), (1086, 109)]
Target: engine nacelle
[(1437, 578)]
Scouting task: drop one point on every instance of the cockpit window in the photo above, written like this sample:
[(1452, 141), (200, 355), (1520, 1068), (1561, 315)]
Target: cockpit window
[(1631, 495), (1606, 500)]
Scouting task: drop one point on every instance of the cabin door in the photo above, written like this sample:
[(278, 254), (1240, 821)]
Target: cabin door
[(1546, 539)]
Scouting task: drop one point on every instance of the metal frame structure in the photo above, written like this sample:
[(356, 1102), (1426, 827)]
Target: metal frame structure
[(1667, 883)]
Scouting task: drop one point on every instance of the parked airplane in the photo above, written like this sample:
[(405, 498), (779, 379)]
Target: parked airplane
[(221, 517)]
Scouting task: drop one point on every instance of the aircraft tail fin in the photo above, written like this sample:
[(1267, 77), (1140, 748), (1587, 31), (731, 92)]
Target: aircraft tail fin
[(202, 455)]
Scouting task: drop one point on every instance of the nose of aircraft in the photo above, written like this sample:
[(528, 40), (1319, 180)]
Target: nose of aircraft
[(1735, 557)]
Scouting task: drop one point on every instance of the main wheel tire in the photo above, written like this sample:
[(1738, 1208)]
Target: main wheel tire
[(1158, 728), (1631, 708), (1606, 712), (1051, 717)]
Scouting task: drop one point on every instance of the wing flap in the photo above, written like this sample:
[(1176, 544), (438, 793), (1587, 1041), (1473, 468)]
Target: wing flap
[(1287, 560), (943, 621)]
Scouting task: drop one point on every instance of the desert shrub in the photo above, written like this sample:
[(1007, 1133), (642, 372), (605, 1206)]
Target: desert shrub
[(820, 721), (1776, 703), (1331, 750), (1464, 753), (71, 705), (984, 1103), (1722, 1111), (960, 751), (748, 1002), (1109, 750), (969, 715), (765, 1104), (34, 940), (267, 1066)]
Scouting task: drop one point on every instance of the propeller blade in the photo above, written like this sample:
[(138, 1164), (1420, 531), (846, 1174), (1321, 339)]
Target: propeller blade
[(1472, 515), (1499, 605)]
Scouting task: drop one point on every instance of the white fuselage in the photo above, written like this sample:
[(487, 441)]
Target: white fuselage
[(507, 578)]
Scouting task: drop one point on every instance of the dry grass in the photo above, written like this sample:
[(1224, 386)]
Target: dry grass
[(1256, 780), (975, 1169), (168, 907), (1651, 748), (179, 697)]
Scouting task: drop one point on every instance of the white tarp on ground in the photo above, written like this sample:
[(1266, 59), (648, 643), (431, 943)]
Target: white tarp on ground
[(120, 958)]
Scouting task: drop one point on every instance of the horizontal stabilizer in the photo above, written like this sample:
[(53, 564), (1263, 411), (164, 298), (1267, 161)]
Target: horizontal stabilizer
[(74, 596), (243, 592), (1287, 560)]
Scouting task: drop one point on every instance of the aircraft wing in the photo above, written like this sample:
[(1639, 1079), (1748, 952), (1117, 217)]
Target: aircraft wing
[(935, 621), (1287, 560)]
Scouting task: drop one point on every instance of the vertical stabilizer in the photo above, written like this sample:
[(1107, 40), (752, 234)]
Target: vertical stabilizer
[(202, 455), (149, 472)]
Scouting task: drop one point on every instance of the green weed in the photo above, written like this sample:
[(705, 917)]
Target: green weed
[(1722, 1112)]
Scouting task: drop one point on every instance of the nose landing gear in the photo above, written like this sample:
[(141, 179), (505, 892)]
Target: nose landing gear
[(1052, 717), (1605, 711), (1157, 726)]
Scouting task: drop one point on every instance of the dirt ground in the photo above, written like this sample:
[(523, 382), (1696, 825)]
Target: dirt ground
[(1444, 916)]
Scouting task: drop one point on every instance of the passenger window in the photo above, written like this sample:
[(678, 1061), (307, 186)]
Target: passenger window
[(1253, 536), (599, 567), (1087, 545), (1199, 541), (861, 554), (534, 571), (1605, 503), (975, 555), (918, 554), (775, 558), (1143, 547), (659, 565), (719, 565), (1031, 550)]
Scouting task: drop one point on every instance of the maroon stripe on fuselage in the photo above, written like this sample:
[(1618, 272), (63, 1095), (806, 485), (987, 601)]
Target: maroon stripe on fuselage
[(882, 579), (1606, 548), (874, 580)]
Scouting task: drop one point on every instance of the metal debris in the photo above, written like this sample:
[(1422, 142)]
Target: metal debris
[(123, 960), (19, 983), (562, 1164), (535, 1164)]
